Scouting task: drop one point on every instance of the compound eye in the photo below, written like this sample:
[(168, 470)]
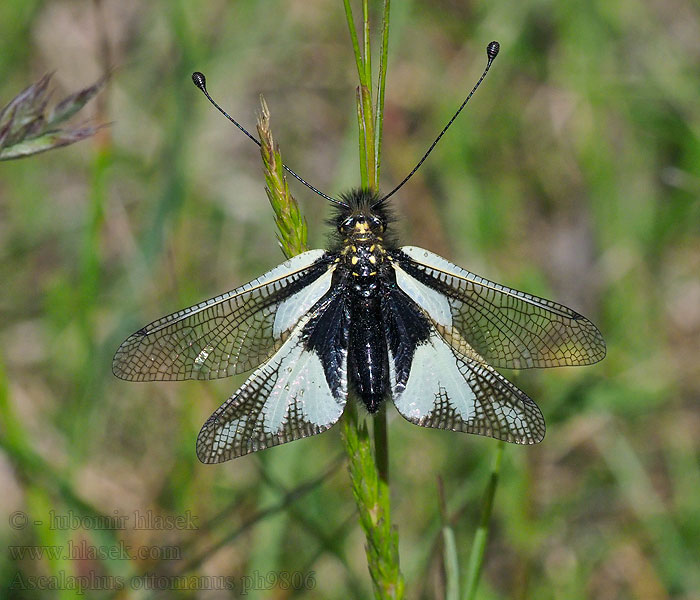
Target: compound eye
[(376, 223), (347, 225)]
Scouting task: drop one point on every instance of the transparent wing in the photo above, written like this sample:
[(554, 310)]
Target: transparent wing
[(446, 391), (508, 328), (230, 333), (291, 396)]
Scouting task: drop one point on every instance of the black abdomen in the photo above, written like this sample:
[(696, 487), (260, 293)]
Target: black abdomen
[(368, 361)]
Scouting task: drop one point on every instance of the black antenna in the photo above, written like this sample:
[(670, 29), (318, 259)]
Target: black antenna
[(491, 52), (201, 82)]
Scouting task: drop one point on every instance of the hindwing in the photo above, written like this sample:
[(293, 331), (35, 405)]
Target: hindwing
[(300, 391), (432, 385), (447, 391)]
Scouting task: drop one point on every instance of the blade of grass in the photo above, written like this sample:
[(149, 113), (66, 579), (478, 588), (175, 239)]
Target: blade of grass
[(367, 148), (449, 548), (368, 130), (355, 42), (361, 122), (87, 296), (366, 38), (476, 557), (381, 85), (366, 93)]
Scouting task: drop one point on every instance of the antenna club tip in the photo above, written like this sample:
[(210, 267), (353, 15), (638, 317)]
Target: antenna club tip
[(491, 50), (199, 80)]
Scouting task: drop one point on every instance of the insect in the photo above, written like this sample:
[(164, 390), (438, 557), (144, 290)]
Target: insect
[(365, 318)]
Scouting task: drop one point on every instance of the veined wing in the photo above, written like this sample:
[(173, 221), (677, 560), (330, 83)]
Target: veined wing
[(230, 333), (300, 391), (508, 328), (446, 391)]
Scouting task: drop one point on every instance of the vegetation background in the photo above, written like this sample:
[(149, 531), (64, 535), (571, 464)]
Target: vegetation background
[(573, 174)]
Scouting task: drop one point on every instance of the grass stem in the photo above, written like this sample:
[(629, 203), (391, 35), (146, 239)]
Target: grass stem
[(381, 85), (369, 464), (476, 558)]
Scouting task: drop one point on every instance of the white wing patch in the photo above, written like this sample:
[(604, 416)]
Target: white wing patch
[(295, 307), (435, 304), (434, 373), (286, 398), (296, 263), (301, 381), (445, 390), (431, 259)]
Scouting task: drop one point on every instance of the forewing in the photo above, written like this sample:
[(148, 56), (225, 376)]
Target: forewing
[(230, 333), (446, 391), (508, 328), (297, 393)]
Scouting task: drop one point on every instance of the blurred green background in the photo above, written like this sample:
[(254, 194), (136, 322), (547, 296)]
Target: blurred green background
[(573, 174)]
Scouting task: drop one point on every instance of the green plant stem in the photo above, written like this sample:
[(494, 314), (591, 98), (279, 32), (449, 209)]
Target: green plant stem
[(476, 558), (367, 52), (381, 86), (451, 564), (368, 131), (369, 465), (366, 95), (449, 545), (366, 111), (364, 177), (381, 446), (355, 42), (371, 494)]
